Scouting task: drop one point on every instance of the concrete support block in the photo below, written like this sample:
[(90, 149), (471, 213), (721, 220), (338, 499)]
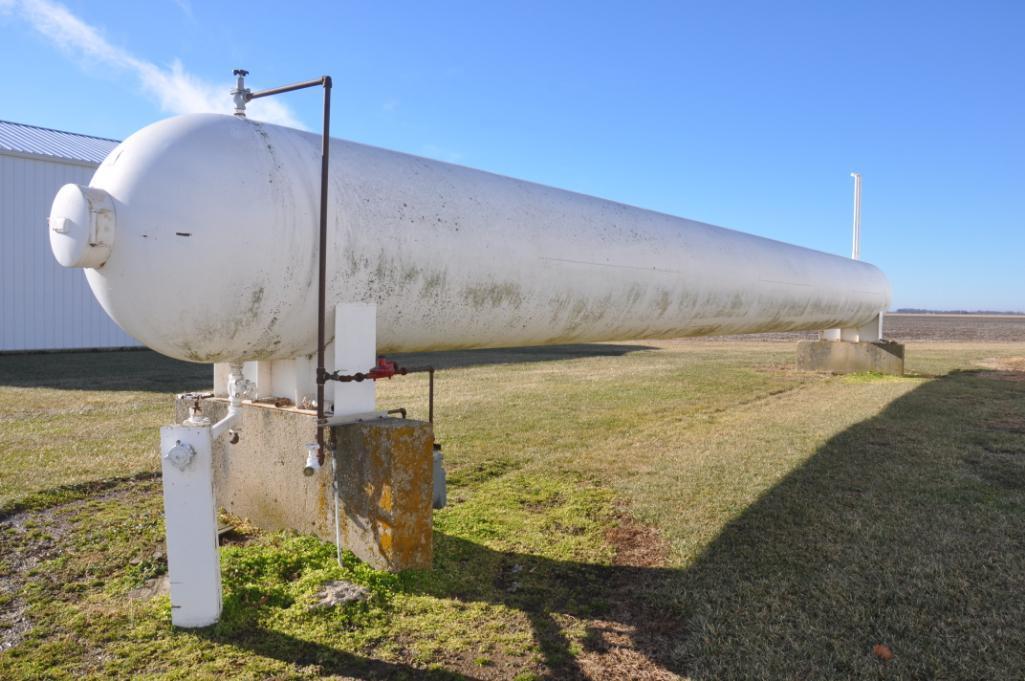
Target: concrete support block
[(386, 485), (385, 471), (261, 477), (844, 357)]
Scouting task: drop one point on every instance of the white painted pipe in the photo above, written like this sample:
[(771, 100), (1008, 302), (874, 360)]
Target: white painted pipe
[(334, 492), (856, 239), (239, 387), (312, 459), (209, 253), (227, 423)]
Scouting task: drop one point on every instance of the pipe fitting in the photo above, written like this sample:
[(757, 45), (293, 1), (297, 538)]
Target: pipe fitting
[(440, 496), (239, 388), (240, 93), (312, 459), (196, 418)]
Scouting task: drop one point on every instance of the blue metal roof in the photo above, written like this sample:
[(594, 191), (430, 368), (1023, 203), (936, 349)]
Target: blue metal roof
[(31, 139)]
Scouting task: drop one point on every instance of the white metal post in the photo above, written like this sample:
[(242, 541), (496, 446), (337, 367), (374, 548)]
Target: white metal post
[(190, 509), (856, 241), (872, 331), (355, 352), (190, 518)]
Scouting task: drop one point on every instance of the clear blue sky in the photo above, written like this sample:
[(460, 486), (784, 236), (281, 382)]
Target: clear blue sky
[(747, 115)]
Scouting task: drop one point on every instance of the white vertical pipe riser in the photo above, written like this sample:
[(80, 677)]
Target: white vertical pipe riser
[(355, 352), (190, 517), (856, 238)]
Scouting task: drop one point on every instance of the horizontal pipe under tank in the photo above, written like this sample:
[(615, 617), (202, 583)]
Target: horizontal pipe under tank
[(211, 253)]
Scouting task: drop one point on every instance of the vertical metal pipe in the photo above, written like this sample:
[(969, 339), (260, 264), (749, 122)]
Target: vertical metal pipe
[(322, 263), (856, 239), (430, 396), (243, 95), (325, 146)]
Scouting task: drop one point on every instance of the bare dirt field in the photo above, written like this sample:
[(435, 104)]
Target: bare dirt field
[(921, 327), (956, 327)]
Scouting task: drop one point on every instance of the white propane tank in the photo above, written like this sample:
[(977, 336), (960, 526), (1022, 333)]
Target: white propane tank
[(199, 235)]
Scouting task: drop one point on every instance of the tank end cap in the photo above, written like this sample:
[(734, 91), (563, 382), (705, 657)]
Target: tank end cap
[(82, 226)]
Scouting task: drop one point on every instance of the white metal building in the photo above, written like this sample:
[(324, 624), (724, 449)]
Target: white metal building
[(44, 306)]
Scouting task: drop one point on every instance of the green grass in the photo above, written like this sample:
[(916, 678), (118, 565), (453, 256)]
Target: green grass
[(795, 521), (68, 420)]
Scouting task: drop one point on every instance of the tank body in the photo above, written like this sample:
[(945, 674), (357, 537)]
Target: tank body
[(212, 256)]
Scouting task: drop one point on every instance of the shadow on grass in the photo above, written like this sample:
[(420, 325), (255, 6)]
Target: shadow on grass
[(330, 661), (611, 599), (452, 359), (56, 496), (544, 590), (148, 371), (904, 530), (907, 530), (132, 370)]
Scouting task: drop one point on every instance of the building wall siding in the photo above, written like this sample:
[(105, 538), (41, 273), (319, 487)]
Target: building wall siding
[(43, 306)]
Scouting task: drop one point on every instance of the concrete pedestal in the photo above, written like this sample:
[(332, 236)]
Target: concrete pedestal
[(385, 472), (260, 478), (845, 357)]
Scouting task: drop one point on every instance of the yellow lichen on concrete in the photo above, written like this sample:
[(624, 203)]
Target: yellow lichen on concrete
[(385, 475), (385, 482)]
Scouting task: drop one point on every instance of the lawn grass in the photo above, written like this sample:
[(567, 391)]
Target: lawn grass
[(68, 420), (691, 509)]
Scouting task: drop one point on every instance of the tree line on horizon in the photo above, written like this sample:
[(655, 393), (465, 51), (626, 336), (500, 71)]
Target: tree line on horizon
[(917, 310)]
